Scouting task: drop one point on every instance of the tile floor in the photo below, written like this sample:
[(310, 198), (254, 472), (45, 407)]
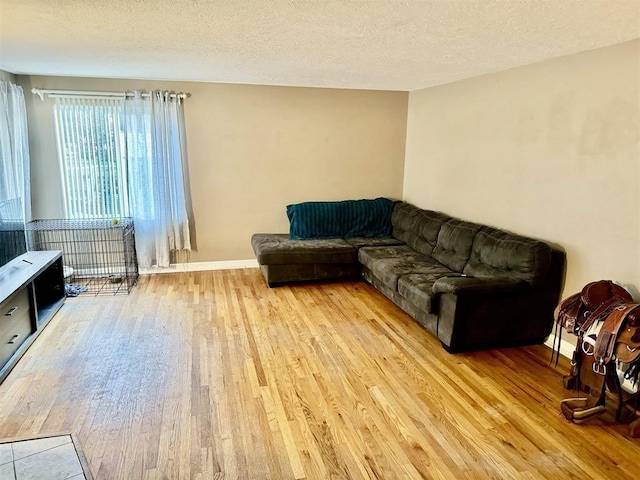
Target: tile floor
[(50, 458)]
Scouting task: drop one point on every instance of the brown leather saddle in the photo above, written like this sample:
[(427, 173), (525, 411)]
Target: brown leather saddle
[(573, 312), (607, 354)]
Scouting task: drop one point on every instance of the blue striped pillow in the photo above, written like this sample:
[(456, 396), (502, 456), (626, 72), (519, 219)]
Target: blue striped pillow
[(345, 219)]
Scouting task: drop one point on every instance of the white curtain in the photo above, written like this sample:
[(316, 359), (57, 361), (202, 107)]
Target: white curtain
[(15, 189), (156, 162)]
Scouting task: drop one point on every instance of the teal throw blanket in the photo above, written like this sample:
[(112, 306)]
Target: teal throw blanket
[(349, 218)]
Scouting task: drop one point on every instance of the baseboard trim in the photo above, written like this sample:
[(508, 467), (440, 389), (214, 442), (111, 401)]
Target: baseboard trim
[(201, 266), (566, 348)]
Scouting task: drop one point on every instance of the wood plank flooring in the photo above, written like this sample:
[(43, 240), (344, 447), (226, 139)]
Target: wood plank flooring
[(212, 375)]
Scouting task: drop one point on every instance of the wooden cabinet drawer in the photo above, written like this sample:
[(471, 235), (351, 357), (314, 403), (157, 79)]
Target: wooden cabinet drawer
[(15, 323), (16, 304)]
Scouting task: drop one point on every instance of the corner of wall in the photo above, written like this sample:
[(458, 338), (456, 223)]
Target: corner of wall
[(7, 76)]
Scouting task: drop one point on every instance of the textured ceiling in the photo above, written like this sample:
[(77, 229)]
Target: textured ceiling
[(388, 45)]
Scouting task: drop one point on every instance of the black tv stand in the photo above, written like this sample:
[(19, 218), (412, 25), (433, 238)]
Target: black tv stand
[(31, 292)]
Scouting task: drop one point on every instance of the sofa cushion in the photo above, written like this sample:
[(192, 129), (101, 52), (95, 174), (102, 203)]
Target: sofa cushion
[(418, 288), (499, 254), (455, 239), (368, 255), (279, 249), (388, 264), (417, 228), (348, 218)]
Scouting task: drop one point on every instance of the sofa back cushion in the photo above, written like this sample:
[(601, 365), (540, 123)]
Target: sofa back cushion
[(417, 228), (348, 218), (455, 239), (496, 253)]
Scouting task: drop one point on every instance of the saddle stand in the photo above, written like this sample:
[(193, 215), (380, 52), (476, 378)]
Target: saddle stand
[(606, 362), (612, 399)]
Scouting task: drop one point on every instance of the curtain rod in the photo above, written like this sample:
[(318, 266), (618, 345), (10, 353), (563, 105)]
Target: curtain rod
[(89, 93)]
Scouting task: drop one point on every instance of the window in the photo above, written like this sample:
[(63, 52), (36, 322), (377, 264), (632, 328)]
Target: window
[(123, 154), (92, 155)]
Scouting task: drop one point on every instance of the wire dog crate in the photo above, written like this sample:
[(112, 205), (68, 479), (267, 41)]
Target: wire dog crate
[(99, 254)]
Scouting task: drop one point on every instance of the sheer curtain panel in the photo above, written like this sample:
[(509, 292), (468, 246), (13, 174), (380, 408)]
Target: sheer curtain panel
[(15, 189), (156, 162)]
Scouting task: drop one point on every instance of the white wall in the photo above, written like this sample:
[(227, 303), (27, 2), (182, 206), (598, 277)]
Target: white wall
[(550, 150)]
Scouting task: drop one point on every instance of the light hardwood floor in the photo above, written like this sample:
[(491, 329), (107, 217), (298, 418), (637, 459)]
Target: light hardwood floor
[(213, 375)]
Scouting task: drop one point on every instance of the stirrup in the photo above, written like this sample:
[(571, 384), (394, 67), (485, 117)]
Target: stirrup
[(576, 410)]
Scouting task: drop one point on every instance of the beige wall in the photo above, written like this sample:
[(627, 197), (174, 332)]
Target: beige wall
[(550, 150), (252, 151), (7, 77)]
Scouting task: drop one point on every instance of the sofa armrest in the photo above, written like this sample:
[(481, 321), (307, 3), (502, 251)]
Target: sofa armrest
[(461, 285)]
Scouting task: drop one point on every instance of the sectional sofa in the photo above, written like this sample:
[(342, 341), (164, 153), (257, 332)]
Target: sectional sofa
[(471, 285)]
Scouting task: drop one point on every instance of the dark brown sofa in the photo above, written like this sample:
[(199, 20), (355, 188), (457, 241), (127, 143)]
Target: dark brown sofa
[(471, 285)]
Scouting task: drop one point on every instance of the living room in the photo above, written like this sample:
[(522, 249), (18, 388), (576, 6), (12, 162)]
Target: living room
[(535, 130)]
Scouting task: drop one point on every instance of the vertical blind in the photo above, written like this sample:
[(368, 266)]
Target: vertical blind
[(91, 146)]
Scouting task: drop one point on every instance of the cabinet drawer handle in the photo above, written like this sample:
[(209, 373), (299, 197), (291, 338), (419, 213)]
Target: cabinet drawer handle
[(14, 338), (11, 311)]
